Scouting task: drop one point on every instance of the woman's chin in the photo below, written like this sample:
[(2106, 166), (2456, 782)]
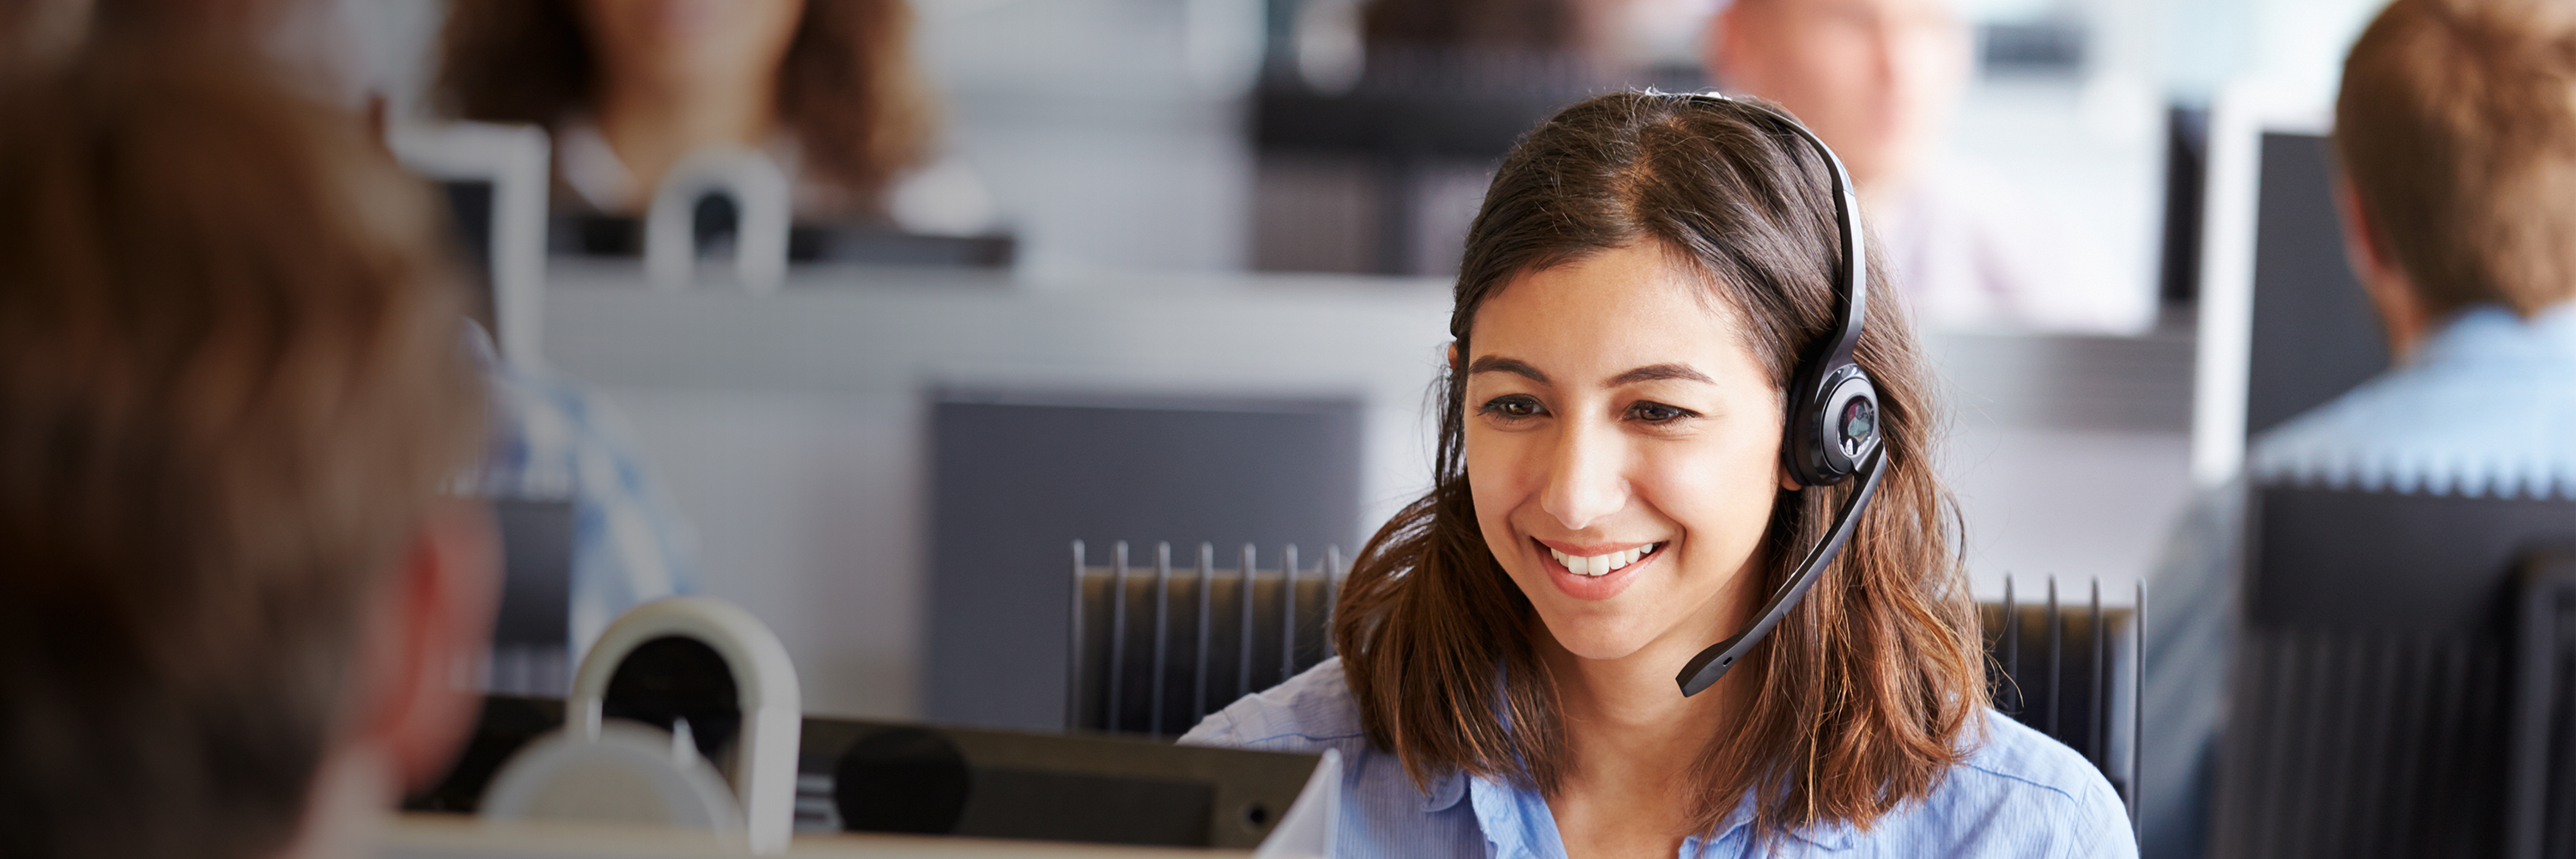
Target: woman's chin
[(1600, 639)]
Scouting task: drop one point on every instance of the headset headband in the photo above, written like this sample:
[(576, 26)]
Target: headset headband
[(1832, 429), (1852, 272)]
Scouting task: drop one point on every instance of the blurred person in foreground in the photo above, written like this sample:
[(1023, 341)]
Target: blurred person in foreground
[(2456, 135), (629, 88), (233, 394), (549, 438), (1880, 79)]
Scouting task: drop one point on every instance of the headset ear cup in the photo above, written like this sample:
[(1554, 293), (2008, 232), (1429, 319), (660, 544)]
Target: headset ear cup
[(1838, 429), (1852, 422)]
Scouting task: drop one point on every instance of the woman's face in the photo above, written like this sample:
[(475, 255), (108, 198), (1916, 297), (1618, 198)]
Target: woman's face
[(673, 41), (1624, 449)]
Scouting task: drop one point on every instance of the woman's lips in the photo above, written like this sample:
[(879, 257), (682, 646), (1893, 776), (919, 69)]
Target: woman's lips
[(1619, 567)]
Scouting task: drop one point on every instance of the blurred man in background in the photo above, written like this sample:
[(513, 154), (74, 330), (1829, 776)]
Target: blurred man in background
[(1879, 80), (2456, 134), (237, 604)]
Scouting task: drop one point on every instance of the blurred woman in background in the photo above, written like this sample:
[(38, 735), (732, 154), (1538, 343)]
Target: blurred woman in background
[(631, 87)]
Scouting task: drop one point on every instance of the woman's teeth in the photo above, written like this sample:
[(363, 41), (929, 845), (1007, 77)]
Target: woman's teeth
[(1601, 565)]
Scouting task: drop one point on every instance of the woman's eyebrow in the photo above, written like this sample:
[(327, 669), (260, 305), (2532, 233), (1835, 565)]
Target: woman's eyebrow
[(1658, 373), (1508, 365)]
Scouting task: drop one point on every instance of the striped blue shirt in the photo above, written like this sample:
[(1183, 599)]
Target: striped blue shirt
[(2018, 794), (552, 440)]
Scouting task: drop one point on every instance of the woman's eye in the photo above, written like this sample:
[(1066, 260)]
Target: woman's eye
[(1512, 407), (1657, 413)]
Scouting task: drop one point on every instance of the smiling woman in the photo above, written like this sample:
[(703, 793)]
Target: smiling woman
[(1612, 496)]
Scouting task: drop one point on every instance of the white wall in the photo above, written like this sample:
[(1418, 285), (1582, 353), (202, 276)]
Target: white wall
[(805, 510)]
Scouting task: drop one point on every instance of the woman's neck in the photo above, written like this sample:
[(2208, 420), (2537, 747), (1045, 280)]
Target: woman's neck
[(1634, 739), (653, 122)]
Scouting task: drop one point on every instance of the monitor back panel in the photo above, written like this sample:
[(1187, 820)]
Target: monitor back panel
[(2315, 335)]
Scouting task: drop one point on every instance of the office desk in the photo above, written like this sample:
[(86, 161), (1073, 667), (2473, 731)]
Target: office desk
[(439, 836)]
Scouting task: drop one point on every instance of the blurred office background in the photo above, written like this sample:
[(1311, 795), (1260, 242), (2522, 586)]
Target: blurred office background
[(1228, 229)]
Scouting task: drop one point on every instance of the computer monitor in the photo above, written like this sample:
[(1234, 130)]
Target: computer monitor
[(2284, 325), (493, 179)]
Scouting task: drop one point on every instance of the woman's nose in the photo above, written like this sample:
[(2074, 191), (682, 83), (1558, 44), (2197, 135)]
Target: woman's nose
[(1585, 482)]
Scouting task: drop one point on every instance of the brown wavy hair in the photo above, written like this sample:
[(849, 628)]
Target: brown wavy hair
[(847, 86), (1874, 686)]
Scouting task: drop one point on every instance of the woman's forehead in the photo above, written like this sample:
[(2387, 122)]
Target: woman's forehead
[(1617, 309)]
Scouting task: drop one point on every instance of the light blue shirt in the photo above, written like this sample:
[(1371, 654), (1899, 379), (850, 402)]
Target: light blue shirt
[(2019, 794), (2485, 406)]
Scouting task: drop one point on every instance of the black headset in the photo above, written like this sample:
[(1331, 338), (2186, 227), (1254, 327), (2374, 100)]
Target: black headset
[(1833, 430)]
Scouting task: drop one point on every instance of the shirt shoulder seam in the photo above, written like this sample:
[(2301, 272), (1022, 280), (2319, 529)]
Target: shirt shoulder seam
[(2060, 791)]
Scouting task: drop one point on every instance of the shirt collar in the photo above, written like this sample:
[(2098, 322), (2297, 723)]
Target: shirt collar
[(1835, 835), (1445, 791), (1515, 820), (2484, 333), (1828, 836), (1505, 814)]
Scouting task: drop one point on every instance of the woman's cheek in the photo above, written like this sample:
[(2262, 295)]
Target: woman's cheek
[(1495, 486), (1719, 493)]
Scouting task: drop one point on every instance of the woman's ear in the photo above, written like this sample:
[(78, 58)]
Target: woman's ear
[(1789, 481), (1453, 356)]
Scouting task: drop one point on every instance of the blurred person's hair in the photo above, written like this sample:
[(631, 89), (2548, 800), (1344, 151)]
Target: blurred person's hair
[(36, 33), (2457, 128), (232, 383), (1867, 693), (57, 27), (847, 88)]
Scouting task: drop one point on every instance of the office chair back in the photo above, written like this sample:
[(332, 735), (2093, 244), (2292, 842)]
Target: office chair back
[(2070, 670), (2375, 690), (2540, 754), (1158, 644)]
